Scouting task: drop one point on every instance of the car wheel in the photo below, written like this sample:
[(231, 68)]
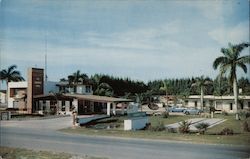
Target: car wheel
[(187, 113)]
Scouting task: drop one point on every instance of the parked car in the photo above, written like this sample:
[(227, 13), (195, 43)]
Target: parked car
[(176, 109), (192, 111)]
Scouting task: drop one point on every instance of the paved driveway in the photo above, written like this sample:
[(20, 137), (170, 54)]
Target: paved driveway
[(42, 135), (40, 124)]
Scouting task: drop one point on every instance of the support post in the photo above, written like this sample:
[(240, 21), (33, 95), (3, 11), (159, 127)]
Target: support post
[(114, 108), (59, 106), (47, 105), (122, 108), (108, 108)]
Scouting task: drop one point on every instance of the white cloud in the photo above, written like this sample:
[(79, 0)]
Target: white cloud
[(213, 9), (143, 38), (157, 49), (236, 34)]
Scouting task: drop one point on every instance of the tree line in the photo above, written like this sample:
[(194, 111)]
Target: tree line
[(126, 87), (226, 82)]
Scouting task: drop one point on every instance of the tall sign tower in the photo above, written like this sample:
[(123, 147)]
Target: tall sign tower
[(35, 86)]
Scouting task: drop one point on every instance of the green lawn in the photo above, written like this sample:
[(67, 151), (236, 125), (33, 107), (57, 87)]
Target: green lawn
[(17, 153), (239, 138)]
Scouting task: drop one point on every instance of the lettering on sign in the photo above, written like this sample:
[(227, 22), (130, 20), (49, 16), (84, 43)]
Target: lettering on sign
[(37, 82)]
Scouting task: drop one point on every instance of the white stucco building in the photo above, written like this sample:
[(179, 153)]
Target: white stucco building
[(223, 103), (3, 97), (16, 93), (65, 87)]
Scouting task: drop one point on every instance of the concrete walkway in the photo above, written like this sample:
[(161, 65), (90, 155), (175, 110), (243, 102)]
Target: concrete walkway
[(196, 121)]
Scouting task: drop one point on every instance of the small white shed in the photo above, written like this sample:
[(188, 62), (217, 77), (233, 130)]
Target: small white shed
[(135, 123)]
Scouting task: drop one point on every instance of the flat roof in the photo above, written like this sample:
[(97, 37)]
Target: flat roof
[(218, 97), (50, 96), (98, 98)]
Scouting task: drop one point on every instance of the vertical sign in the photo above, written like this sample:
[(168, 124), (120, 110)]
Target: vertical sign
[(35, 86)]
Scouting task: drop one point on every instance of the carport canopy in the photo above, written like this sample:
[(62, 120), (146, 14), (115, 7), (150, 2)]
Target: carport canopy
[(99, 98), (102, 99)]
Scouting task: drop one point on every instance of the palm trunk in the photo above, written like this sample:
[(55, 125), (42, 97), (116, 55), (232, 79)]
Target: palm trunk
[(7, 95), (202, 96), (167, 97), (235, 90)]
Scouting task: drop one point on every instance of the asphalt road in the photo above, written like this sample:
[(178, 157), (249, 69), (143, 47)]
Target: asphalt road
[(34, 134)]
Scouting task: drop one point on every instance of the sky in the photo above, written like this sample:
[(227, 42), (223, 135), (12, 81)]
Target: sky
[(140, 39)]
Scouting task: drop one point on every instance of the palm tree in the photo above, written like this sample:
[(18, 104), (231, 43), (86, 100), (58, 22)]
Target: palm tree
[(11, 74), (104, 89), (166, 87), (201, 83), (221, 86), (96, 79), (139, 99), (78, 77), (229, 63)]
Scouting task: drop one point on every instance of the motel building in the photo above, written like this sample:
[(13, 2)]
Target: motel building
[(223, 103), (42, 97)]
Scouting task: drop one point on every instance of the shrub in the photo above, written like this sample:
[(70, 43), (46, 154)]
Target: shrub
[(212, 109), (244, 114), (247, 115), (202, 127), (184, 127), (171, 130), (225, 113), (245, 126), (147, 126), (159, 127), (165, 114), (153, 106), (227, 131)]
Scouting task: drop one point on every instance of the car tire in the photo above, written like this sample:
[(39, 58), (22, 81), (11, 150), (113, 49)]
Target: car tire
[(187, 113)]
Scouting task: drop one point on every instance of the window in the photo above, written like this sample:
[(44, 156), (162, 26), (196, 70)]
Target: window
[(12, 92), (15, 104), (88, 89), (231, 106)]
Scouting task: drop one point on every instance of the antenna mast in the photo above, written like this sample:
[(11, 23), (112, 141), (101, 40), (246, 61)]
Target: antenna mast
[(45, 75)]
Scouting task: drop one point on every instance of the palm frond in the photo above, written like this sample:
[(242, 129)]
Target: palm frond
[(219, 61), (240, 47), (223, 69), (11, 74), (244, 59), (243, 66), (11, 68)]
